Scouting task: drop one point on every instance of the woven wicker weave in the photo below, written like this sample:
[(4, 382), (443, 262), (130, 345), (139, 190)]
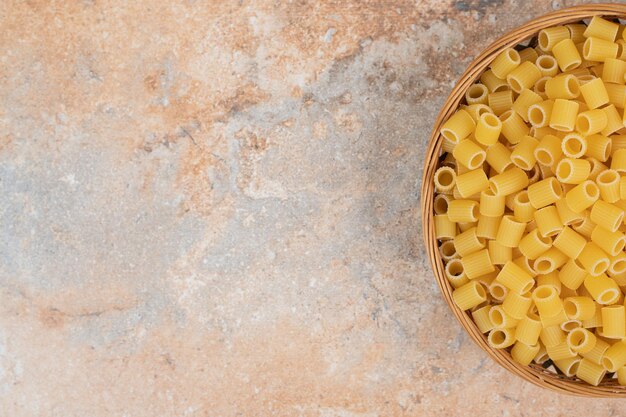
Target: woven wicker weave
[(534, 373)]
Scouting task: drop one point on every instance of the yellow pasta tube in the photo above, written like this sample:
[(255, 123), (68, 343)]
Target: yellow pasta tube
[(602, 29), (500, 318), (505, 62), (549, 279), (477, 264), (524, 76), (548, 221), (444, 228), (618, 161), (564, 86), (481, 318), (613, 322), (579, 308), (614, 71), (567, 216), (447, 251), (582, 196), (622, 188), (596, 168), (500, 102), (528, 54), (491, 205), (460, 211), (440, 204), (615, 357), (528, 329), (574, 145), (510, 232), (618, 267), (572, 274), (602, 288), (509, 182), (548, 151), (444, 179), (499, 254), (595, 93), (468, 242), (544, 193), (455, 274), (596, 320), (476, 94), (516, 305), (540, 87), (607, 215), (497, 291), (513, 126), (477, 110), (594, 260), (551, 36), (595, 49), (523, 154), (459, 126), (488, 129), (539, 114), (569, 366), (523, 211), (573, 171), (549, 261), (493, 83), (563, 117), (524, 354), (614, 121), (590, 372), (560, 351), (566, 55), (591, 122), (469, 295), (501, 338), (488, 226), (547, 300), (596, 354), (515, 278), (499, 157), (533, 244), (569, 242), (468, 153), (576, 31), (610, 242), (472, 182), (599, 146), (616, 94), (581, 340), (524, 101), (551, 336), (523, 263)]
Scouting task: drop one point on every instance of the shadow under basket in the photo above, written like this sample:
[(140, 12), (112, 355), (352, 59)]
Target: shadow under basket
[(534, 373)]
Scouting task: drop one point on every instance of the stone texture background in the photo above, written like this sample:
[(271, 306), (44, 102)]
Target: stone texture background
[(211, 208)]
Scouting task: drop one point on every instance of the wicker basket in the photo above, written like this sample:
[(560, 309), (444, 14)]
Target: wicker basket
[(534, 373)]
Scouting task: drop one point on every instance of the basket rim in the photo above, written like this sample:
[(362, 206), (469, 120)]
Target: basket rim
[(533, 373)]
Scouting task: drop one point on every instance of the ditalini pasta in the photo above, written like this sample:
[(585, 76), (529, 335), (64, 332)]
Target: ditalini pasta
[(530, 201)]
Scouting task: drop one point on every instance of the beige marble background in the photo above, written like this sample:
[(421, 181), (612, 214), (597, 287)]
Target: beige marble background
[(211, 208)]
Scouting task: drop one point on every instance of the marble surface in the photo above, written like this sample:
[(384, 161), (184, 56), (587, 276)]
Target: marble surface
[(211, 208)]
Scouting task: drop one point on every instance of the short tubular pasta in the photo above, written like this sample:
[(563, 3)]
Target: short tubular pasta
[(572, 170), (477, 264), (550, 37), (579, 307), (590, 372), (594, 93), (533, 244), (476, 94), (544, 193), (591, 122), (610, 242), (596, 49), (500, 318), (506, 62), (499, 254), (515, 278), (472, 182), (613, 322), (487, 227), (444, 179), (614, 71), (523, 211), (569, 242), (574, 145), (582, 196), (563, 117), (615, 357), (469, 295), (618, 161), (523, 155), (458, 127), (603, 289), (564, 86), (468, 153), (602, 29), (524, 354), (499, 157), (500, 101), (614, 121), (488, 129), (548, 221), (539, 114), (525, 99), (481, 318), (493, 82), (599, 147), (510, 232), (569, 366), (501, 338), (463, 211), (548, 151), (524, 76), (607, 215), (594, 260), (513, 126), (566, 55), (581, 340), (508, 182), (516, 305)]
